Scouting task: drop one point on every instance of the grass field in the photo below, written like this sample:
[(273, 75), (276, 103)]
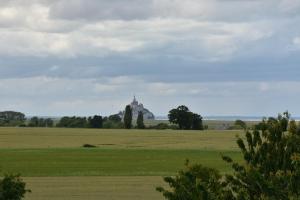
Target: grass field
[(105, 162), (117, 138), (94, 188), (127, 164)]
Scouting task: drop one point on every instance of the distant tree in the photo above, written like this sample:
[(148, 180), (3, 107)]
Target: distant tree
[(115, 125), (95, 121), (185, 119), (12, 187), (197, 122), (11, 118), (73, 122), (49, 122), (115, 118), (128, 117), (33, 122), (63, 122), (140, 120), (241, 123), (40, 122)]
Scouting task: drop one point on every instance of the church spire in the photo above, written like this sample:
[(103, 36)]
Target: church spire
[(134, 102)]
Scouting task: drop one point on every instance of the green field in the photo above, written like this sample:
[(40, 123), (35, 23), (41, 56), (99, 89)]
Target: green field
[(127, 164), (105, 162), (116, 138)]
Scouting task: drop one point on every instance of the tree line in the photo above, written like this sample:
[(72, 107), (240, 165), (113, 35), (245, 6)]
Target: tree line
[(96, 121), (179, 118)]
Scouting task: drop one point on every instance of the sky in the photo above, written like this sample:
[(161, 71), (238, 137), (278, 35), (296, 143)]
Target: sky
[(86, 57)]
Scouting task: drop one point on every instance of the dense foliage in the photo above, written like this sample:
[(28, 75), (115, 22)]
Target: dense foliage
[(195, 182), (128, 117), (240, 124), (162, 126), (81, 122), (271, 168), (140, 121), (11, 118), (115, 118), (72, 122), (95, 122), (12, 187), (40, 122), (185, 119)]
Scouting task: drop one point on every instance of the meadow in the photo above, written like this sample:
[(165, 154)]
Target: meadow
[(126, 164)]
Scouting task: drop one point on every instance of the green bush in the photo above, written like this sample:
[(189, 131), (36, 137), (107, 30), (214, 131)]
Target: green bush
[(12, 187)]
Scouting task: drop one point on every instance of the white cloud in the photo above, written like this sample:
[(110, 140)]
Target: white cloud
[(179, 37), (296, 41)]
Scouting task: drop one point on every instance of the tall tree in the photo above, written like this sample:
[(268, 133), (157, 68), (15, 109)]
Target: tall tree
[(128, 117), (140, 120), (185, 118)]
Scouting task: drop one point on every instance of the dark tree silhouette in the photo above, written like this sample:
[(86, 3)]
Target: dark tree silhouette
[(140, 120), (128, 117)]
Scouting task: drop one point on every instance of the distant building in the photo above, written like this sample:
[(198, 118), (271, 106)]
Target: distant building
[(136, 108)]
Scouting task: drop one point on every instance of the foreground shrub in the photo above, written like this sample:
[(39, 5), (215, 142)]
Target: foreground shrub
[(12, 187), (271, 168), (195, 182)]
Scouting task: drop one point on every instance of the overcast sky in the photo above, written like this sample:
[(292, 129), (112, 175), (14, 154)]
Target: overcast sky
[(85, 57)]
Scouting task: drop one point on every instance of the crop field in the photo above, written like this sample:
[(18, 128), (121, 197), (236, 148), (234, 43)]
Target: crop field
[(29, 138), (126, 164)]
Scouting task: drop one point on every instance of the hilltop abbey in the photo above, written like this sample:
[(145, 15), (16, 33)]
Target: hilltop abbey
[(136, 108)]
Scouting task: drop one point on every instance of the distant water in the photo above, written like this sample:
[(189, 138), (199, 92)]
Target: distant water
[(233, 118), (228, 118)]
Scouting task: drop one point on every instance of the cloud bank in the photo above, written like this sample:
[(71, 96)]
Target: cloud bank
[(218, 56)]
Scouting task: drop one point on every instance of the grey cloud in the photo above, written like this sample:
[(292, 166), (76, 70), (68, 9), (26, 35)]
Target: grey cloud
[(103, 9), (218, 10), (155, 68), (63, 56), (213, 10)]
